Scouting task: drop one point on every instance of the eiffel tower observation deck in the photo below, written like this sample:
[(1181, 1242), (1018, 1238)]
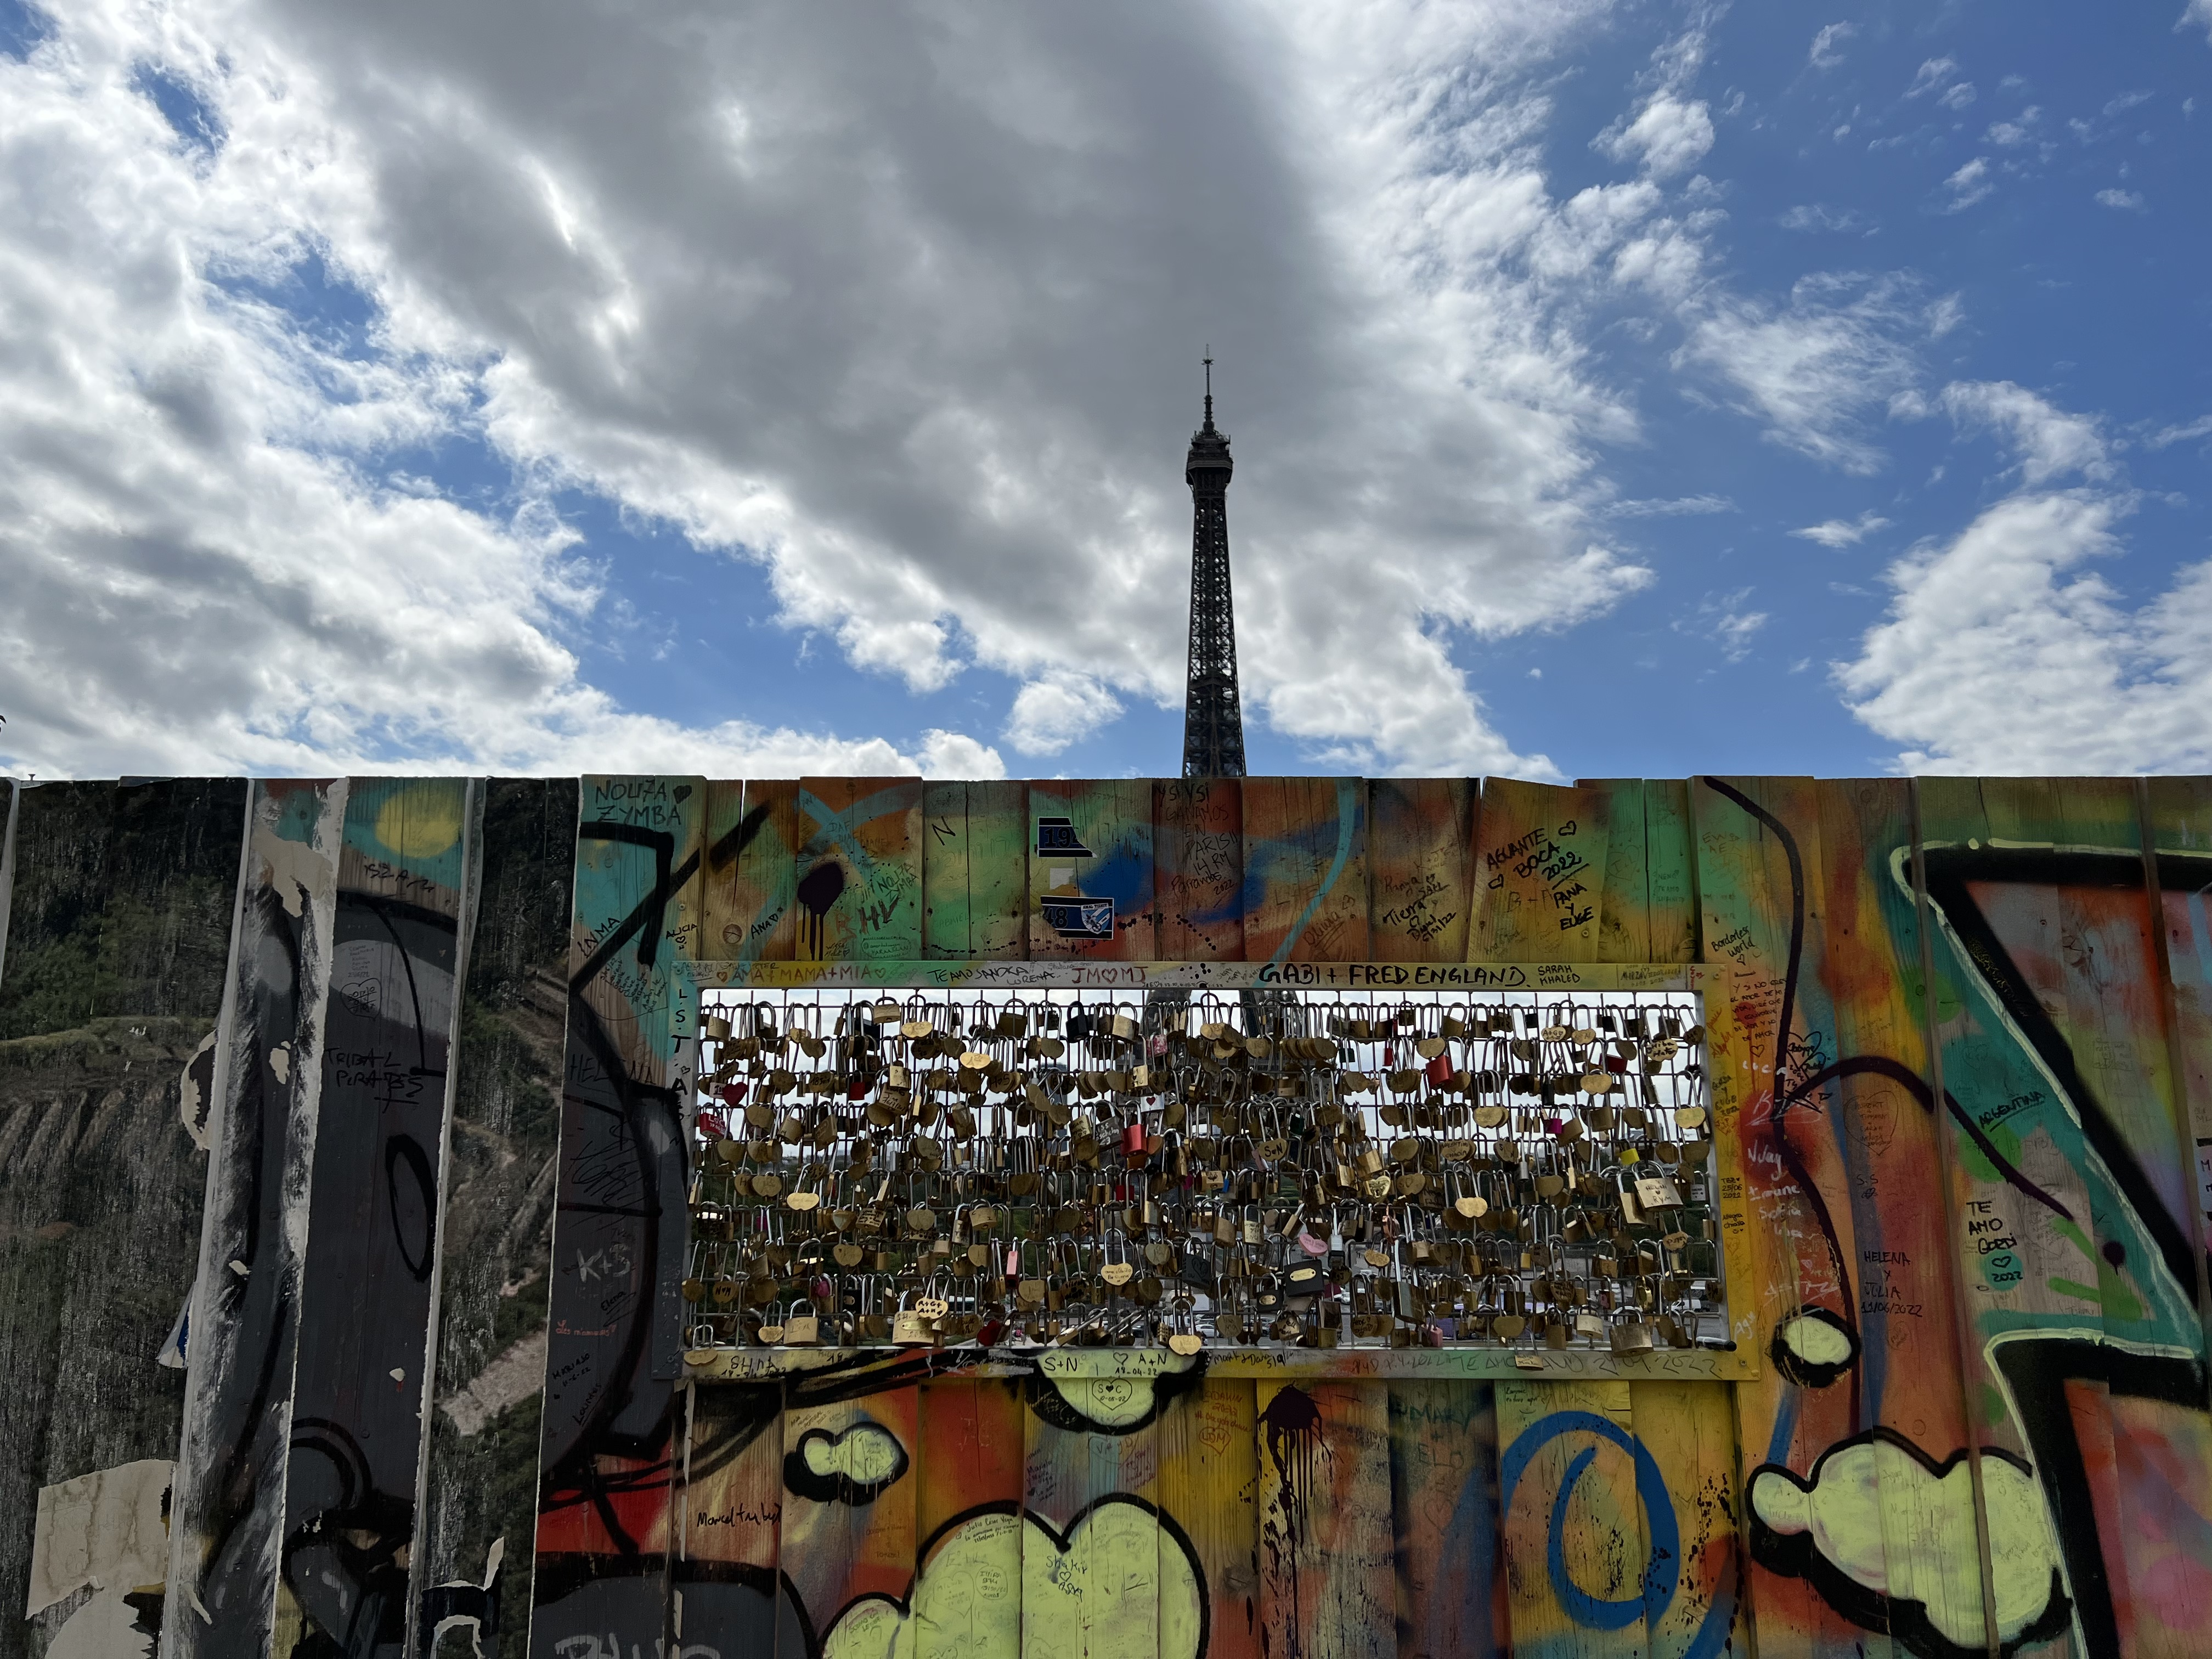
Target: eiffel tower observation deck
[(1214, 719)]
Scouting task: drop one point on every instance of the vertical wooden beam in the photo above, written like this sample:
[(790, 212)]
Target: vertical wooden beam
[(847, 1542), (472, 1560), (108, 996), (1624, 913), (227, 1504), (1670, 870), (614, 1347), (1306, 890), (368, 1271), (1540, 872), (1198, 859), (1444, 1504), (1090, 869), (974, 870), (2180, 832), (1422, 834), (1572, 1481), (1328, 1579), (752, 871), (968, 1595), (1210, 1494), (1694, 1603), (858, 870), (729, 1590)]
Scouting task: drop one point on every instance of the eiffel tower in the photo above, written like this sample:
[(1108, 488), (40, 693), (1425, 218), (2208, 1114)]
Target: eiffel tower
[(1213, 719)]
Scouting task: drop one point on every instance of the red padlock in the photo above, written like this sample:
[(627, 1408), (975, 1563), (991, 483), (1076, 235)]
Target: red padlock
[(712, 1126), (1132, 1138), (733, 1094), (1440, 1070)]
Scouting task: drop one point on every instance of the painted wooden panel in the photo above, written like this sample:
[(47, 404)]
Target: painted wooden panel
[(1692, 1579), (2180, 826), (1327, 1574), (1759, 870), (1209, 1494), (1422, 840), (752, 870), (727, 1592), (1090, 869), (848, 1503), (368, 1270), (1540, 872), (1098, 1578), (116, 956), (1198, 845), (268, 1076), (615, 1324), (1305, 870), (974, 870), (480, 1480), (1444, 1501), (1573, 1485), (858, 884), (1884, 1119), (1670, 870), (1624, 911), (967, 1601)]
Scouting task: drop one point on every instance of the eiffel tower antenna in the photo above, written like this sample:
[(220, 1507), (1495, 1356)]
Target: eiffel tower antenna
[(1213, 718)]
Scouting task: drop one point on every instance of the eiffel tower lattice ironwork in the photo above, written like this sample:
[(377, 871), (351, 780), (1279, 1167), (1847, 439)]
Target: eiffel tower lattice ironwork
[(1213, 718)]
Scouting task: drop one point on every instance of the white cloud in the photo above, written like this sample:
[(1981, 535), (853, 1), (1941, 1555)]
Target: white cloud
[(1728, 620), (1824, 54), (1816, 216), (1812, 370), (2127, 201), (902, 313), (1668, 135), (1934, 73), (2049, 441), (2199, 427), (954, 755), (2197, 13), (1843, 532), (1052, 712), (1968, 185), (1957, 95), (2011, 134), (1679, 506), (1999, 657)]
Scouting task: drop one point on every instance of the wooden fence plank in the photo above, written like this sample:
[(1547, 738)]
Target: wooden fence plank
[(1305, 870), (2181, 831), (974, 870), (1198, 846), (109, 990), (368, 1270), (1539, 872), (968, 1595), (1328, 1579), (752, 871), (1090, 869), (1210, 1493), (1758, 880), (850, 1480), (480, 1484), (1421, 832), (1094, 1581), (858, 870), (1692, 1596), (1444, 1501), (1670, 870), (614, 1344), (1572, 1519), (729, 1592), (1624, 911), (268, 1073)]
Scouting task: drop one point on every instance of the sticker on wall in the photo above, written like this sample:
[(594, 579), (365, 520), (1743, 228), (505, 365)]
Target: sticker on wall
[(1056, 838), (1078, 918)]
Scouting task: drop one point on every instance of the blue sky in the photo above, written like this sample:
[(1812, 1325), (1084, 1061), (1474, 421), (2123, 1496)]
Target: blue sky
[(1616, 389)]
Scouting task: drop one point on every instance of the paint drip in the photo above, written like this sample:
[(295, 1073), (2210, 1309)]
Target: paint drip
[(819, 890), (1291, 1426)]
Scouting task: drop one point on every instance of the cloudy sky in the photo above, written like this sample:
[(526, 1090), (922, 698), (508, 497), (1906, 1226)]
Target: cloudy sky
[(750, 388)]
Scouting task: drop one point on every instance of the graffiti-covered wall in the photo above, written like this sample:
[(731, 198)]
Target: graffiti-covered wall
[(348, 1163)]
